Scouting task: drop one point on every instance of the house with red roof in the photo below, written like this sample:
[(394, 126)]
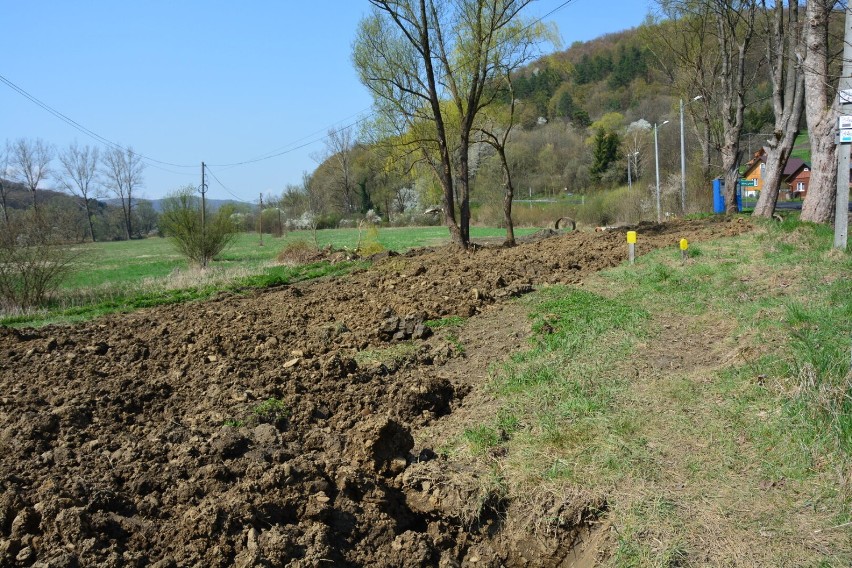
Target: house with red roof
[(794, 180)]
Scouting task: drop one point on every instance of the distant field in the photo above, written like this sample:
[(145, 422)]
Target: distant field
[(802, 148), (126, 275), (125, 262)]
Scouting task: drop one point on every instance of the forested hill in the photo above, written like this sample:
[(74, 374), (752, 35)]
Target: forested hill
[(610, 74)]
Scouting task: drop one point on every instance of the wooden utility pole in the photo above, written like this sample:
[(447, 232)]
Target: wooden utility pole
[(203, 200), (260, 221)]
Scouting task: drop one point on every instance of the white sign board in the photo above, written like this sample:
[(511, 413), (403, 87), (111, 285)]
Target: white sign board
[(845, 96), (844, 122), (846, 136)]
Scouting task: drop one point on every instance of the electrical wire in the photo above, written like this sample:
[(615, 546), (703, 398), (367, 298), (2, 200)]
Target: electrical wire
[(76, 125), (286, 149), (222, 184)]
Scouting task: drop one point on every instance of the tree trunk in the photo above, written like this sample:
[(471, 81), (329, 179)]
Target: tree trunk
[(127, 227), (508, 195), (89, 219), (821, 116), (731, 171), (788, 97), (463, 179), (3, 199)]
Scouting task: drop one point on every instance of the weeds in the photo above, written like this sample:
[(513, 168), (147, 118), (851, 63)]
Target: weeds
[(270, 411), (451, 321)]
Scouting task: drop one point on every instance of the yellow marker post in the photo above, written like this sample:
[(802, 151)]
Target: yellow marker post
[(631, 246), (684, 249)]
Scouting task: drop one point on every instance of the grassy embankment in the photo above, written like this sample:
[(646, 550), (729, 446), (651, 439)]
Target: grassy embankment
[(709, 403), (121, 276)]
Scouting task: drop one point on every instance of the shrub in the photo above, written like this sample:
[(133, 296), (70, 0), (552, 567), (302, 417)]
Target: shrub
[(199, 240), (297, 252), (33, 261), (370, 244)]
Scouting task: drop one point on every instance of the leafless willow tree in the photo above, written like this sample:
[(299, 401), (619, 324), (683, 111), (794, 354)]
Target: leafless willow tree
[(30, 161), (79, 176), (784, 50), (821, 113), (122, 170)]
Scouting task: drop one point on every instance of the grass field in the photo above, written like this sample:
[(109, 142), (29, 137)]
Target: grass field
[(133, 261), (711, 403)]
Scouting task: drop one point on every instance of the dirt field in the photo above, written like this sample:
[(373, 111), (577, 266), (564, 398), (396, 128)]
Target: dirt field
[(275, 429)]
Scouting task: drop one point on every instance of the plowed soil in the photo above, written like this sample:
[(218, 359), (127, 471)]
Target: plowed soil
[(267, 429)]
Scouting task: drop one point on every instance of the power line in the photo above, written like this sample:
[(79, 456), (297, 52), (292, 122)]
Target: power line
[(286, 149), (294, 148), (207, 166), (73, 123)]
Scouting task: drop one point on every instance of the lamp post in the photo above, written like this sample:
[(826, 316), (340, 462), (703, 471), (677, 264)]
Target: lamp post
[(657, 164), (683, 157)]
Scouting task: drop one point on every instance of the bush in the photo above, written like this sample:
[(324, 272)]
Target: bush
[(33, 261), (198, 241), (370, 244)]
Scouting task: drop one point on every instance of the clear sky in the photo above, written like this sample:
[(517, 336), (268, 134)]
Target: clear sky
[(186, 81)]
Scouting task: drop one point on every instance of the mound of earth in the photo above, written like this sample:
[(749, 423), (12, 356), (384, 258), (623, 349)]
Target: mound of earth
[(264, 430)]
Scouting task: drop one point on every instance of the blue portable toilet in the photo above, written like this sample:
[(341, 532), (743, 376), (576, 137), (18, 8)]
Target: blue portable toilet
[(719, 196)]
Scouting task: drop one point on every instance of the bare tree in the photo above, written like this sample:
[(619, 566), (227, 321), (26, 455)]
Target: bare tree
[(785, 47), (735, 29), (718, 71), (821, 115), (4, 182), (31, 163), (79, 177), (497, 137), (688, 53), (339, 146), (122, 171)]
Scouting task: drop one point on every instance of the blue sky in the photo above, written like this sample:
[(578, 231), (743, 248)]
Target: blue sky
[(222, 82)]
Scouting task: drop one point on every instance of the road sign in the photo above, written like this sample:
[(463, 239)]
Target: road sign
[(844, 122), (748, 183)]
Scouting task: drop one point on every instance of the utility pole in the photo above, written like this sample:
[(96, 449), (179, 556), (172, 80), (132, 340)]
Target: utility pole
[(203, 200), (841, 209), (203, 190), (260, 221), (682, 164)]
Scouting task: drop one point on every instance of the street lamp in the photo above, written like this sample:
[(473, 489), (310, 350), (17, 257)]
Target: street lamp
[(657, 163), (683, 157), (630, 156)]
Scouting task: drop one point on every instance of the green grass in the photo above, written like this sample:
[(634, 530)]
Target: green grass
[(802, 148), (126, 299), (750, 433), (452, 321)]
